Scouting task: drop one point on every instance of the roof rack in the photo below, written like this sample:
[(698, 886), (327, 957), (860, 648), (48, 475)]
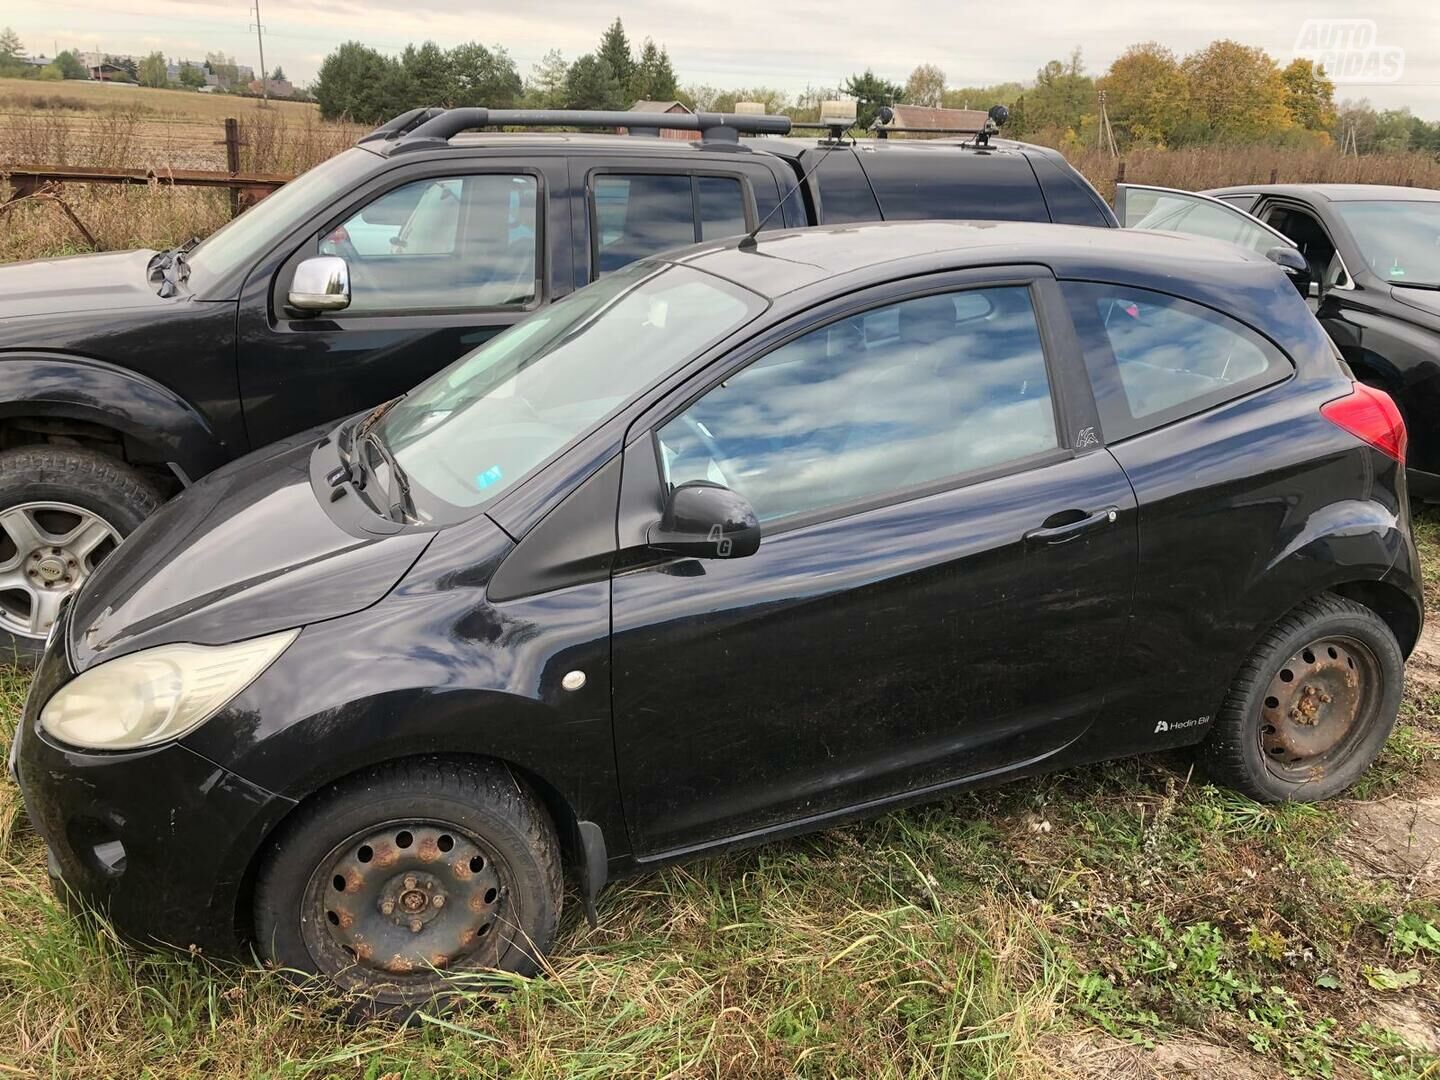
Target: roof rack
[(424, 129)]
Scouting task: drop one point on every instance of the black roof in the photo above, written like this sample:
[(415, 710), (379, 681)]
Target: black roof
[(1335, 192), (785, 260)]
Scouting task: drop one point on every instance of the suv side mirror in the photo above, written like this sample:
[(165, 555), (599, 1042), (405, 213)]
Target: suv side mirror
[(321, 283), (706, 521), (1294, 265)]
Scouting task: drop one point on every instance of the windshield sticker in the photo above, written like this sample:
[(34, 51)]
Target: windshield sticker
[(488, 477)]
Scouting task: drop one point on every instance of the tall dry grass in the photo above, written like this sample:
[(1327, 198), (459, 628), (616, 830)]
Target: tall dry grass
[(1201, 167)]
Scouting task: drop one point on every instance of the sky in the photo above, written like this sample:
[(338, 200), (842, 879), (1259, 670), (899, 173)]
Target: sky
[(1395, 61)]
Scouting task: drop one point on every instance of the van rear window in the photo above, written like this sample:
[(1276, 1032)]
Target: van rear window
[(914, 183)]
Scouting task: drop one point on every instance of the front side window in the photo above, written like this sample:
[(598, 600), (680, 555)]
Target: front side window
[(476, 428), (1399, 240), (644, 214), (1179, 212), (442, 244), (898, 397), (1155, 358)]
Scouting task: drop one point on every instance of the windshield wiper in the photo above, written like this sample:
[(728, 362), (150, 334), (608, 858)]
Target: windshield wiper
[(1434, 286), (373, 417), (397, 497)]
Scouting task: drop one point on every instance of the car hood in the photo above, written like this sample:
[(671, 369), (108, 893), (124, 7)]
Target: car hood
[(247, 551), (108, 281), (1426, 300)]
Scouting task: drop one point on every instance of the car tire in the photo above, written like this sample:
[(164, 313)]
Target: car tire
[(1311, 707), (348, 890), (46, 493)]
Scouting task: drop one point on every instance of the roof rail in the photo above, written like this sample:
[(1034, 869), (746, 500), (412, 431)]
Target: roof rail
[(406, 121), (423, 129)]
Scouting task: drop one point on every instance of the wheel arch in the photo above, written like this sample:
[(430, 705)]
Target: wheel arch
[(44, 392), (562, 814)]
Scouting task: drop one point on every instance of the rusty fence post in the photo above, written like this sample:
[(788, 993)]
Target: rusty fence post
[(232, 159), (1274, 175)]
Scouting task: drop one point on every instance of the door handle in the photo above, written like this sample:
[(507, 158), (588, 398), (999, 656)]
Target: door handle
[(1068, 530)]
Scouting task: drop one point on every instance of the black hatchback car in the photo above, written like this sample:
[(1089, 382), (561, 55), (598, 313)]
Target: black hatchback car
[(735, 543)]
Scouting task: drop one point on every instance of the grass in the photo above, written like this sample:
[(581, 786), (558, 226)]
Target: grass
[(75, 96), (968, 938)]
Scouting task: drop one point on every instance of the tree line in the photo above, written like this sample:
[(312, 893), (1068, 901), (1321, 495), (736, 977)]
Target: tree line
[(359, 83)]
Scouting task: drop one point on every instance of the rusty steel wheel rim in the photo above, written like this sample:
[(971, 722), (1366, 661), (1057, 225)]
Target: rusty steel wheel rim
[(401, 904), (1318, 707)]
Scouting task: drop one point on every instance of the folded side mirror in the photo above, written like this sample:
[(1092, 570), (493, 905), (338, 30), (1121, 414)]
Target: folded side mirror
[(1296, 268), (706, 521), (320, 284)]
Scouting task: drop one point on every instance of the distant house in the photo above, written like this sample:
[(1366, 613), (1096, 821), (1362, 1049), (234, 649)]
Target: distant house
[(677, 107), (923, 117), (107, 72), (281, 88), (36, 61)]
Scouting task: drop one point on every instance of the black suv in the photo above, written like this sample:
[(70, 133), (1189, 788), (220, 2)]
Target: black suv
[(734, 543), (126, 376), (1374, 256)]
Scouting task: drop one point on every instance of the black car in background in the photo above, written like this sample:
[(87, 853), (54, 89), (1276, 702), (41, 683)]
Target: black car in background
[(126, 376), (735, 543), (1374, 256)]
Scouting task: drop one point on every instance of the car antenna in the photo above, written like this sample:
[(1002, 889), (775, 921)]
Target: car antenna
[(840, 121)]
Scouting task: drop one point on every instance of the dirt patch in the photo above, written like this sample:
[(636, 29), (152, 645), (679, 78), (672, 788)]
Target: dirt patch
[(1422, 670), (1418, 1023), (1397, 839), (1100, 1057)]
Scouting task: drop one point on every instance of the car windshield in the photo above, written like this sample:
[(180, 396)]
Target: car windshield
[(1400, 240), (489, 419), (235, 245)]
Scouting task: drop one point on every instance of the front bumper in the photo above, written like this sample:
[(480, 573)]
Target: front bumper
[(160, 840)]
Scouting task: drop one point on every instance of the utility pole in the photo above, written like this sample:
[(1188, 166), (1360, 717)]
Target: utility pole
[(259, 29), (1105, 137)]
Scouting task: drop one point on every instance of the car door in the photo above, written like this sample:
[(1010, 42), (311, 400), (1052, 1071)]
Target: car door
[(441, 257), (1139, 206), (943, 582), (1327, 266)]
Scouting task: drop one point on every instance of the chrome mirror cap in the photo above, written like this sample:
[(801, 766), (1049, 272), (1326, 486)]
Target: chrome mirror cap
[(321, 284)]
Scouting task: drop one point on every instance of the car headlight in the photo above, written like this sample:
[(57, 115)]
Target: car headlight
[(157, 694)]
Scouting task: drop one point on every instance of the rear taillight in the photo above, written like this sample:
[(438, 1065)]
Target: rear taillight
[(1369, 414)]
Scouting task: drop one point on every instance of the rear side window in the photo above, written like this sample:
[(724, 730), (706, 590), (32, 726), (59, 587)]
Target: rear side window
[(639, 215), (1071, 200), (845, 194), (918, 182), (1155, 358)]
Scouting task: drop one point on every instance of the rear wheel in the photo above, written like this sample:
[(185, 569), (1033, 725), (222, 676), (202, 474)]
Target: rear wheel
[(391, 884), (62, 511), (1312, 706)]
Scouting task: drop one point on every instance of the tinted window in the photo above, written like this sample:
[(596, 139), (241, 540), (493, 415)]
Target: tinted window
[(844, 192), (901, 396), (930, 182), (1400, 240), (1154, 358), (636, 216), (1071, 200), (441, 244)]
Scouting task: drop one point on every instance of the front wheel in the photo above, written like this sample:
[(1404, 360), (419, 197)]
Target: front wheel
[(1312, 706), (392, 883), (63, 509)]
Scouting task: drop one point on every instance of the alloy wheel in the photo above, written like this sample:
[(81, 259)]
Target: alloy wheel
[(47, 550)]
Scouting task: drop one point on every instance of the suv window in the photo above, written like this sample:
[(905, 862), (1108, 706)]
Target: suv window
[(915, 183), (643, 214), (445, 243), (896, 398), (1154, 358)]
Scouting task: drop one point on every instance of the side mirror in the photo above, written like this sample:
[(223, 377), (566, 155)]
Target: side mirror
[(706, 521), (1294, 265), (320, 284)]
